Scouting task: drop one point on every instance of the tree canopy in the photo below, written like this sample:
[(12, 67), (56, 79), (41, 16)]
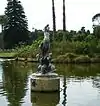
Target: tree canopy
[(16, 28), (3, 21), (96, 20), (96, 25)]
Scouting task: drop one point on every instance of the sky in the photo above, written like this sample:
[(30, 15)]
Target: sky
[(79, 13)]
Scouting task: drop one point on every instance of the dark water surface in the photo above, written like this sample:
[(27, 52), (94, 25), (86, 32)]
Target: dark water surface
[(80, 85)]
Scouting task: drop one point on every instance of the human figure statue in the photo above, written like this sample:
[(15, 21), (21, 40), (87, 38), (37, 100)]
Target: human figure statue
[(45, 57), (45, 45)]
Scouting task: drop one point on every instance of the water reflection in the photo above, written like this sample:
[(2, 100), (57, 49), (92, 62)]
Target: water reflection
[(64, 91), (45, 99), (78, 71), (14, 83), (1, 71), (96, 82), (80, 85)]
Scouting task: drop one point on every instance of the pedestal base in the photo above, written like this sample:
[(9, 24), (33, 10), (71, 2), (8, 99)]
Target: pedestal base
[(49, 82)]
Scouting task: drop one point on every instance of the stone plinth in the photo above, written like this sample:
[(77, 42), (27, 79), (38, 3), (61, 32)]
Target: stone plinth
[(49, 82)]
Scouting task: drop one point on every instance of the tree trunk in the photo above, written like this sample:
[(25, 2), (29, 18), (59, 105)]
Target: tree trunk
[(2, 27), (54, 18), (64, 17), (64, 22), (1, 38)]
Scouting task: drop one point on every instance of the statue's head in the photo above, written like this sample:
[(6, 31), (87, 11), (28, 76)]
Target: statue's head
[(46, 28), (47, 25)]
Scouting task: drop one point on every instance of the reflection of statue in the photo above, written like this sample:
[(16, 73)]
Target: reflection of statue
[(45, 57), (45, 99)]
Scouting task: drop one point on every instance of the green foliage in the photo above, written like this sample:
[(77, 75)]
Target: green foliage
[(82, 59), (63, 35), (3, 21), (59, 35), (79, 37), (72, 58), (98, 47), (81, 48), (7, 54), (60, 48), (86, 47), (71, 55), (40, 34), (29, 50), (68, 57), (96, 32), (89, 38), (16, 28), (95, 60), (89, 46)]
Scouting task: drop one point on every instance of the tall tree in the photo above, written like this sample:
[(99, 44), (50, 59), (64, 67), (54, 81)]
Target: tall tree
[(3, 20), (96, 20), (54, 17), (64, 22), (64, 16), (16, 29), (96, 25)]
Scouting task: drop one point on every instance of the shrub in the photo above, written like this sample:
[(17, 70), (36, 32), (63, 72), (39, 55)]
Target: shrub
[(82, 59)]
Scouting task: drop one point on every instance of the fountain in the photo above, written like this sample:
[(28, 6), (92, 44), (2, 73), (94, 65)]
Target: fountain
[(45, 79)]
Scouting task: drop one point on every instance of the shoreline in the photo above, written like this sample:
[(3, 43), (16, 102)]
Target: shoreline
[(68, 61)]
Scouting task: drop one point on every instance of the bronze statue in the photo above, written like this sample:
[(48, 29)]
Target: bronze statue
[(45, 65)]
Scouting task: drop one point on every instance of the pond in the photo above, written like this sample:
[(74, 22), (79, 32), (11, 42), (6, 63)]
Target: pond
[(79, 85)]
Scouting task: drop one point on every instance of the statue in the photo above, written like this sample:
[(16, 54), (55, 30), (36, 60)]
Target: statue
[(45, 79), (44, 57), (45, 45)]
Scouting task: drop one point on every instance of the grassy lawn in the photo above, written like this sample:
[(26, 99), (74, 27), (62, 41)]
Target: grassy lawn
[(7, 54)]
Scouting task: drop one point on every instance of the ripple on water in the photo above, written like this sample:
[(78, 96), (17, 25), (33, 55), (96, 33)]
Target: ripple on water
[(78, 86)]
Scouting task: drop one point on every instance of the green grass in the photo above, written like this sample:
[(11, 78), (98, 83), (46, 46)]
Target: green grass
[(7, 55), (62, 51)]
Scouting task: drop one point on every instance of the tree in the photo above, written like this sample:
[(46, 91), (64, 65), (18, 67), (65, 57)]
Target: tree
[(96, 25), (83, 29), (16, 28), (54, 18), (96, 31), (64, 17), (64, 22), (3, 21), (96, 20)]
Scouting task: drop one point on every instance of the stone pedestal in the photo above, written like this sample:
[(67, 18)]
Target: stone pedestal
[(49, 82)]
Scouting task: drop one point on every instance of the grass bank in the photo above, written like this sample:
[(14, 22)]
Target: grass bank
[(63, 52), (8, 55)]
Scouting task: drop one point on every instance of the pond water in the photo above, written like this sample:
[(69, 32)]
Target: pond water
[(79, 85)]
